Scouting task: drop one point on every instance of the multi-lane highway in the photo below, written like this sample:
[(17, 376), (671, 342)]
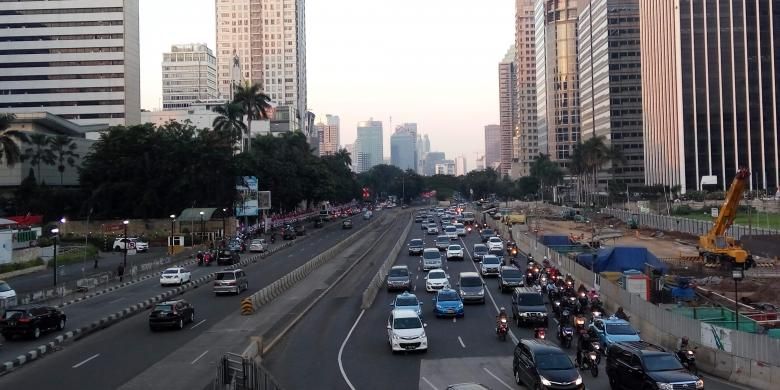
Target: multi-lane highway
[(340, 343), (115, 355)]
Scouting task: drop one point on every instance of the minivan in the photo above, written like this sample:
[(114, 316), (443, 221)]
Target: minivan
[(431, 259), (230, 281), (471, 287)]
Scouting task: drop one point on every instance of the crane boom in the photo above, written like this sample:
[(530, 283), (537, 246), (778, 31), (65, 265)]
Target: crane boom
[(715, 246), (728, 211)]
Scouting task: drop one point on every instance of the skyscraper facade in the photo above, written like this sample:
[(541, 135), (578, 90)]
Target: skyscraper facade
[(189, 74), (460, 166), (611, 85), (492, 145), (368, 145), (557, 102), (507, 107), (430, 162), (328, 135), (268, 37), (77, 59), (526, 143), (709, 91), (403, 148)]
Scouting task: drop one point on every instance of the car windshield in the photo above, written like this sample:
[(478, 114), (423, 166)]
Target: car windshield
[(13, 314), (428, 255), (553, 361), (496, 252), (257, 242), (480, 249), (442, 240), (662, 362), (163, 308), (620, 329), (406, 301), (487, 232), (398, 272), (407, 323), (470, 282), (170, 271), (450, 228), (495, 239), (530, 300), (491, 260), (454, 247), (416, 242), (511, 274), (225, 276), (447, 296), (4, 287), (436, 275)]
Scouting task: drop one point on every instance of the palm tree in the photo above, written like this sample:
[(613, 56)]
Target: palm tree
[(39, 152), (230, 120), (254, 102), (344, 156), (64, 149), (545, 171), (9, 149)]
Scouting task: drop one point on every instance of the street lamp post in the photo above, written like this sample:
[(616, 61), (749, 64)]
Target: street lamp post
[(173, 221), (738, 273), (56, 233), (224, 224), (127, 243), (202, 227)]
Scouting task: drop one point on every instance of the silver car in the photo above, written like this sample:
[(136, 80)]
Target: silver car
[(230, 281), (431, 259)]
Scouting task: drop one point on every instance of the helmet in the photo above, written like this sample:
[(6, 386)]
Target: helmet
[(685, 339), (502, 309), (545, 257)]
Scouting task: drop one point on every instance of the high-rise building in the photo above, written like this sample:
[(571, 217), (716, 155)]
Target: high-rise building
[(423, 147), (557, 102), (460, 166), (268, 37), (368, 145), (710, 92), (611, 85), (446, 167), (77, 59), (328, 135), (430, 161), (189, 75), (403, 148), (492, 145), (507, 107), (480, 163), (526, 140)]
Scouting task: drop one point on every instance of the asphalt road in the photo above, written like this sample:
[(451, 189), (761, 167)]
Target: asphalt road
[(127, 348), (461, 350)]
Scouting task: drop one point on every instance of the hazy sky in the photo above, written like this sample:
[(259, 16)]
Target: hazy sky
[(434, 62)]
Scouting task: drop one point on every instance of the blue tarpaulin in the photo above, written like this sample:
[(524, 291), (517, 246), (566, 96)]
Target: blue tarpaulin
[(619, 259), (555, 240)]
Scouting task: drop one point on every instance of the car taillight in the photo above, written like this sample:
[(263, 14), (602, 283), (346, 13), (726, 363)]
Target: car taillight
[(25, 319)]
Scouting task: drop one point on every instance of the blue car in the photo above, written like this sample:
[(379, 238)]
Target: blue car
[(447, 302), (612, 330), (408, 301)]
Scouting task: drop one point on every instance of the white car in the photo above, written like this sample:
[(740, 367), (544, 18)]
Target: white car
[(451, 232), (454, 252), (7, 295), (491, 265), (495, 243), (436, 280), (257, 245), (433, 229), (460, 229), (175, 275), (406, 331), (121, 242)]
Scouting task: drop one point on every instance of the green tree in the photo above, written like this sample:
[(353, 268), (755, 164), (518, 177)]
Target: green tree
[(230, 120), (39, 152), (64, 150), (9, 141), (547, 172), (254, 103)]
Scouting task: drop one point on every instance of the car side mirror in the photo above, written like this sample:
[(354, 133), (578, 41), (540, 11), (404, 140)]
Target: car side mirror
[(425, 325), (388, 327), (392, 304), (433, 299)]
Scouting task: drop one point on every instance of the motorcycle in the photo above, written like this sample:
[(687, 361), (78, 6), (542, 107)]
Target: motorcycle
[(688, 359), (529, 278), (579, 323), (590, 362), (556, 307), (539, 333), (583, 300), (502, 329), (565, 336), (543, 283)]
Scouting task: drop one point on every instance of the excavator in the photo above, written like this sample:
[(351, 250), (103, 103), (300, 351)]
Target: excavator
[(715, 247)]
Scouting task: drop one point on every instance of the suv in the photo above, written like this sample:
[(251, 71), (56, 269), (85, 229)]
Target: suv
[(171, 314), (431, 259), (510, 277), (406, 331), (641, 365), (399, 278), (528, 307), (442, 242), (7, 295), (480, 250), (471, 287), (31, 321), (230, 281), (416, 246), (120, 243), (227, 257), (485, 234), (539, 364)]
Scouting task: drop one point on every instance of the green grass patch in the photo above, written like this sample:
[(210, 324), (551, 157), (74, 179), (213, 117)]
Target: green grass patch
[(76, 256), (759, 220), (23, 265)]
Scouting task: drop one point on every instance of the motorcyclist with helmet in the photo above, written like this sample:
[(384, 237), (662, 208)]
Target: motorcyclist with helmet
[(621, 314), (501, 315), (585, 343)]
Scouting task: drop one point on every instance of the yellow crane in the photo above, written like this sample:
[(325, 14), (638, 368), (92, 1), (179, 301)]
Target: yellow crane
[(716, 246)]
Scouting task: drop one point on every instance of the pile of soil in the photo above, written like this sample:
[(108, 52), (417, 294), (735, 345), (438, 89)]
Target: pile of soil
[(766, 293), (727, 284)]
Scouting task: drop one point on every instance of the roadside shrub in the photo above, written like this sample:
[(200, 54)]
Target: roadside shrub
[(23, 265)]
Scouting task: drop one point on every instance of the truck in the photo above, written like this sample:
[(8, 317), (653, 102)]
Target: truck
[(469, 218), (514, 218)]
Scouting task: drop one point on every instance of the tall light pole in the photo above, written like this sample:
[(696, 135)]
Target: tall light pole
[(173, 221), (56, 233), (127, 242), (202, 227), (224, 224)]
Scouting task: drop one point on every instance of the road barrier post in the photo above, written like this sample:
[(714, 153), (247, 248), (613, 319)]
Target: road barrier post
[(247, 307)]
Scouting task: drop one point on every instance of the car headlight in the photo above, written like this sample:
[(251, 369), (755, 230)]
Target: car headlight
[(578, 381), (545, 381), (699, 384), (664, 386)]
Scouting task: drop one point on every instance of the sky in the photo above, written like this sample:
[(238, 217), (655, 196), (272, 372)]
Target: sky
[(433, 62)]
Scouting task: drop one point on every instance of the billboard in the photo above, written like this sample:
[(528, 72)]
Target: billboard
[(247, 194), (265, 200)]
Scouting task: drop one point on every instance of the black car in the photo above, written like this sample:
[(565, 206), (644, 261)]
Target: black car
[(539, 364), (641, 365), (480, 250), (346, 224), (528, 307), (31, 321), (288, 233), (510, 277), (171, 314), (227, 257), (485, 234), (416, 246)]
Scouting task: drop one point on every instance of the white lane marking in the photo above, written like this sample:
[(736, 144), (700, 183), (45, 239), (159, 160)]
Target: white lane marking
[(429, 383), (341, 350), (199, 357), (462, 344), (515, 340), (498, 379), (290, 255), (196, 325), (85, 361)]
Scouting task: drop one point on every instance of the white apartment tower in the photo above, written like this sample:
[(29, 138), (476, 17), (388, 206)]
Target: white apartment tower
[(78, 59), (328, 135), (189, 74), (269, 39)]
